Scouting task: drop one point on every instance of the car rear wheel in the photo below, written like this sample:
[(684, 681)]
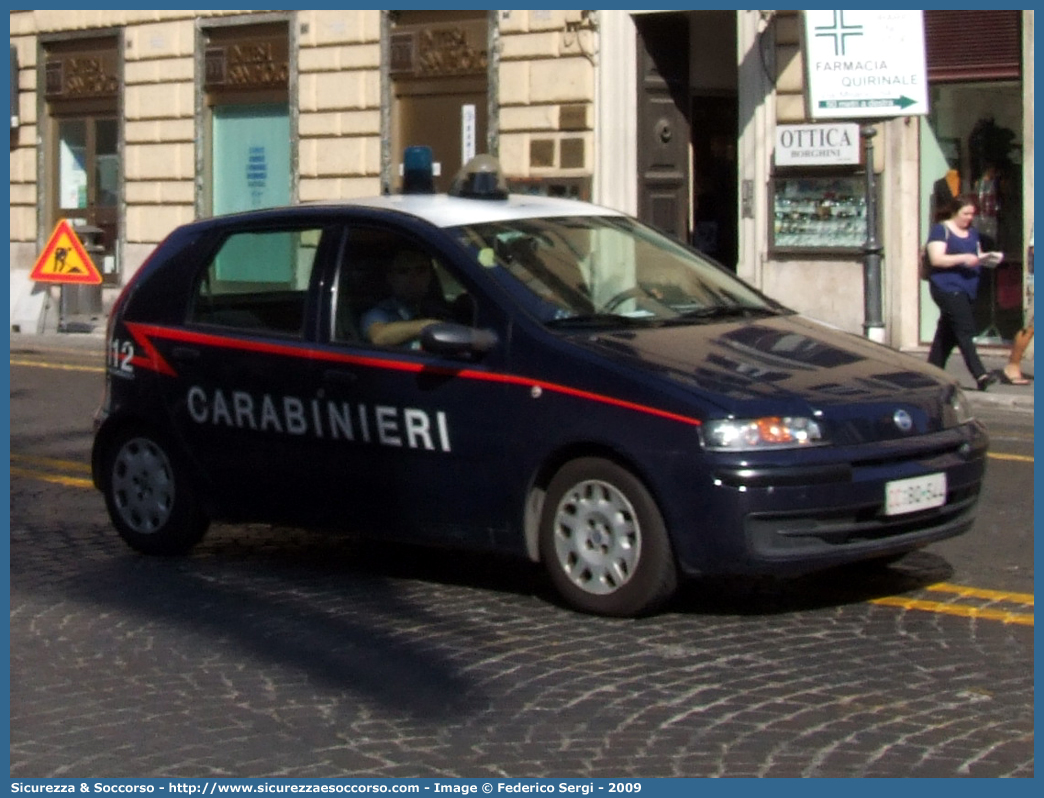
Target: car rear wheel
[(150, 498), (603, 541)]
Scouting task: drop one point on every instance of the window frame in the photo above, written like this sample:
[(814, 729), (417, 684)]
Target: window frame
[(330, 234)]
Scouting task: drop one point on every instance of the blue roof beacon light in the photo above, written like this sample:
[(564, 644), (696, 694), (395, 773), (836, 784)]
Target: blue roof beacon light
[(418, 173), (480, 178)]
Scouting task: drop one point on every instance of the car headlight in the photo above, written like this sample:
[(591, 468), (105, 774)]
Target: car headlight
[(959, 411), (770, 432)]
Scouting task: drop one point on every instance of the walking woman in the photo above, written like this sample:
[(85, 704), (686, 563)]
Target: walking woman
[(956, 256)]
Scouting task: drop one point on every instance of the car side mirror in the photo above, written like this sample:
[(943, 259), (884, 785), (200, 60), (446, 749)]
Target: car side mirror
[(455, 340)]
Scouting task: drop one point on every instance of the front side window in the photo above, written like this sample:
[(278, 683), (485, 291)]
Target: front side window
[(258, 281), (390, 287), (606, 269)]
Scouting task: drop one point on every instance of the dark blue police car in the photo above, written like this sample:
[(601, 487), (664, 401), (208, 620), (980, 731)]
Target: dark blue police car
[(524, 374)]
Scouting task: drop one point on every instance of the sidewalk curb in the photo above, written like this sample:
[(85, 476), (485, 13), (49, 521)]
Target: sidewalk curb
[(986, 399)]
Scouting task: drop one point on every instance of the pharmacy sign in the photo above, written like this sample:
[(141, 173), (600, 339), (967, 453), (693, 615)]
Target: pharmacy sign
[(864, 64)]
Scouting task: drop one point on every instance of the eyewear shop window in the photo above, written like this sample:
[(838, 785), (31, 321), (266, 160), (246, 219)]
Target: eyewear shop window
[(971, 144)]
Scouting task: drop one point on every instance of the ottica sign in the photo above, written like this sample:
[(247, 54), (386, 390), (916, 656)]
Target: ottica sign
[(817, 145)]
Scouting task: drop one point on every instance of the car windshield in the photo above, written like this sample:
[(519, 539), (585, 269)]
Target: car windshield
[(607, 270)]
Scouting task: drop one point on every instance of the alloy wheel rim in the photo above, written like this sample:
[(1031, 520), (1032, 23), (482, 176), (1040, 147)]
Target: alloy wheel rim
[(597, 537), (143, 486)]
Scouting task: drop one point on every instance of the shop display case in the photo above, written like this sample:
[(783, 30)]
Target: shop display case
[(819, 215)]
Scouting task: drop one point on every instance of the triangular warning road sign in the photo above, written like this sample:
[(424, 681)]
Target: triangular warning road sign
[(64, 260)]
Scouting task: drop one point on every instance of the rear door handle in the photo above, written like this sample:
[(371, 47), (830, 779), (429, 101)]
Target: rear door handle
[(184, 353)]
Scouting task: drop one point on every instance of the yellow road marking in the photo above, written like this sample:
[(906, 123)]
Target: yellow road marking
[(1022, 458), (96, 352), (61, 366), (1023, 619), (976, 592), (50, 462), (58, 479), (1011, 436)]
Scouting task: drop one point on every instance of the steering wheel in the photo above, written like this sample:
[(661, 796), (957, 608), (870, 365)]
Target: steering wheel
[(634, 292)]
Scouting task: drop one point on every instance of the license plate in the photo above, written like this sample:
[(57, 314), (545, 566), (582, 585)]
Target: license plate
[(916, 493)]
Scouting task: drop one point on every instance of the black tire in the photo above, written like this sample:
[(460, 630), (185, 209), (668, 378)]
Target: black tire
[(603, 542), (149, 495)]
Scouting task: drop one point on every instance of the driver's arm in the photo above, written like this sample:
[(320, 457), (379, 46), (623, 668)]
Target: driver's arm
[(396, 333)]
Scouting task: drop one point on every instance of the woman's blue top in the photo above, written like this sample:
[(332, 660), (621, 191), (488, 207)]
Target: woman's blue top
[(956, 278)]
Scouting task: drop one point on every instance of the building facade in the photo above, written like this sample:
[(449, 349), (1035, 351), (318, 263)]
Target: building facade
[(129, 123)]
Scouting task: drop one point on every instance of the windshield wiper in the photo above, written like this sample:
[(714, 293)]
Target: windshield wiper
[(600, 320), (715, 312)]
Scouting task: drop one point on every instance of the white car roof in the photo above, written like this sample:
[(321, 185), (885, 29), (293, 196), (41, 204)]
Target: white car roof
[(446, 211)]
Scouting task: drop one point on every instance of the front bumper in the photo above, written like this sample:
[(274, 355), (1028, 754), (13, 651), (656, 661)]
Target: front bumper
[(788, 519)]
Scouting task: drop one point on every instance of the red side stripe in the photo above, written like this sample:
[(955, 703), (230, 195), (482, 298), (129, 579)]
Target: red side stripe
[(152, 360)]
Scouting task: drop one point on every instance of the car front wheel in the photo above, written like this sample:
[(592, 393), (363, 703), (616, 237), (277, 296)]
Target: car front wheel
[(603, 541), (149, 496)]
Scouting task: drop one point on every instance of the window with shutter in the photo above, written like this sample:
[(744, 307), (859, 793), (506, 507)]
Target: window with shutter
[(973, 45)]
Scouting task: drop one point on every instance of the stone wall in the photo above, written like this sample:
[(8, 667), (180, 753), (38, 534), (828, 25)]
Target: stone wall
[(339, 101), (546, 92)]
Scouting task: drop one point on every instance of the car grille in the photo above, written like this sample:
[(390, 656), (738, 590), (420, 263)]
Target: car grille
[(809, 530)]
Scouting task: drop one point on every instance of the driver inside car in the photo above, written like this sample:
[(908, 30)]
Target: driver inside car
[(413, 304)]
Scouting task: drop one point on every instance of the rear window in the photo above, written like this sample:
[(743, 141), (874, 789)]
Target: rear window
[(258, 281)]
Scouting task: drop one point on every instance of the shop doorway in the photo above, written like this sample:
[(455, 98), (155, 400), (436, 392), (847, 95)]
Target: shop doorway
[(87, 181), (663, 122), (248, 149), (439, 86), (688, 128), (82, 85), (715, 177), (971, 144), (250, 153), (452, 123)]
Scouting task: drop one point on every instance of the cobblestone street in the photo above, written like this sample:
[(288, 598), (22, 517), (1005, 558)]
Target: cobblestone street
[(303, 656), (277, 653)]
